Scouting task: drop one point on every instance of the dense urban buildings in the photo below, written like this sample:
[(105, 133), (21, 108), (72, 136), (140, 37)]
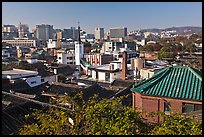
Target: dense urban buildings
[(156, 72)]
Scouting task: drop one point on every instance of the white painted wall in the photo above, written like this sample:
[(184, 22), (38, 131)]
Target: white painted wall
[(93, 74), (101, 76), (31, 61), (146, 73), (51, 44), (112, 77), (62, 58)]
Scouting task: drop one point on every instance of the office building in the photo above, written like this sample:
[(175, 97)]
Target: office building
[(44, 32), (23, 30), (99, 33), (118, 32), (9, 31)]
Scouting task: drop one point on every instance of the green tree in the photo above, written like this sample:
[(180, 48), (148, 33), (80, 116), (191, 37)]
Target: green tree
[(178, 124), (110, 117), (190, 48), (93, 117), (147, 47), (52, 122)]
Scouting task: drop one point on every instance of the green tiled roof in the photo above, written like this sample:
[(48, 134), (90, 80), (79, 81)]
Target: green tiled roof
[(179, 82)]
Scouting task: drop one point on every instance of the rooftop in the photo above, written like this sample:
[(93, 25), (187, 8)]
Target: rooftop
[(18, 72), (179, 82)]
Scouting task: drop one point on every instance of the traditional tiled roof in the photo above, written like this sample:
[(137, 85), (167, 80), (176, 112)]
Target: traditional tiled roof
[(122, 83), (64, 68), (22, 86), (179, 82), (97, 89), (13, 117)]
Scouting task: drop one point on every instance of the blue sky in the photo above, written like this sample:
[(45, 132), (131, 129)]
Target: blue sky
[(133, 15)]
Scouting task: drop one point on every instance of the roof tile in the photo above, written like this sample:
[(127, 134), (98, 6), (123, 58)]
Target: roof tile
[(180, 82)]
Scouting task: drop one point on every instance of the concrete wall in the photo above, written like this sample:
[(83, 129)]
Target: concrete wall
[(101, 76), (50, 79), (93, 72), (146, 73)]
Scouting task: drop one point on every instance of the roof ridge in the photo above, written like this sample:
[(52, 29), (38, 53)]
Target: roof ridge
[(195, 73), (191, 69)]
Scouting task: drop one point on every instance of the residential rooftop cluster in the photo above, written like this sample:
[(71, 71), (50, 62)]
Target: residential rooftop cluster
[(157, 71)]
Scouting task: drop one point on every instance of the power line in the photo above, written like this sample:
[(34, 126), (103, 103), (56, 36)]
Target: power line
[(35, 101)]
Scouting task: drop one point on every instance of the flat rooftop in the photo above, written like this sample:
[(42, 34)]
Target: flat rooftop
[(18, 71)]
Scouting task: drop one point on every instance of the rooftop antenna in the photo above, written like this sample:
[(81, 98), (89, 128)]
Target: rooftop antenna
[(79, 39)]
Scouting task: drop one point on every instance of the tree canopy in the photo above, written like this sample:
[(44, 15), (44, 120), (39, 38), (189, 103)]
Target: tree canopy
[(178, 125), (93, 117), (103, 117)]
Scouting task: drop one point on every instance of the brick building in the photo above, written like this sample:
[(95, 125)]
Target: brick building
[(97, 59), (173, 89)]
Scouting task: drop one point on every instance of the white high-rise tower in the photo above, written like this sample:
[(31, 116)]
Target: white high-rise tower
[(79, 50)]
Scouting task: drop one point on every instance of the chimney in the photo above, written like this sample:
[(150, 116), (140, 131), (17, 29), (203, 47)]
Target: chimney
[(79, 39), (124, 65)]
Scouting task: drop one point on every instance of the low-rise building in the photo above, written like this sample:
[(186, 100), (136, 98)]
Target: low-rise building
[(106, 73), (21, 51), (22, 42), (30, 77), (97, 59), (9, 51), (65, 57), (173, 89)]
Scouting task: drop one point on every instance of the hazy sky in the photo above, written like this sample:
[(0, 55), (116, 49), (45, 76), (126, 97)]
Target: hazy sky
[(133, 15)]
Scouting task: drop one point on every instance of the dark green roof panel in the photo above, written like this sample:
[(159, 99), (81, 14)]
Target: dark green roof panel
[(179, 82)]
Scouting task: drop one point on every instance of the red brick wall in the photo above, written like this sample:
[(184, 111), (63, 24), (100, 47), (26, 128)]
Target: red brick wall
[(151, 105), (154, 104), (138, 101)]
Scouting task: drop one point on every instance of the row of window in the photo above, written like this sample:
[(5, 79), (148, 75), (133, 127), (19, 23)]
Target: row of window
[(186, 107), (70, 58)]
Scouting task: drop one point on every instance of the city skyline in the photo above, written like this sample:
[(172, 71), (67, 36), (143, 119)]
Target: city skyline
[(133, 15)]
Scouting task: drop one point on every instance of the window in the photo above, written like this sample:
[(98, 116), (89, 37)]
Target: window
[(197, 107), (188, 107), (107, 76), (33, 82), (167, 108)]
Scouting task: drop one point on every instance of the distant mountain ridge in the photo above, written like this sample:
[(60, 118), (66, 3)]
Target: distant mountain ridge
[(191, 29)]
